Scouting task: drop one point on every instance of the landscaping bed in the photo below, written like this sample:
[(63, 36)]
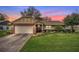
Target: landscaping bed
[(4, 33)]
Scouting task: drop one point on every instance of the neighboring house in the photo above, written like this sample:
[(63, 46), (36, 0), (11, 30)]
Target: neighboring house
[(76, 28), (30, 25), (4, 25)]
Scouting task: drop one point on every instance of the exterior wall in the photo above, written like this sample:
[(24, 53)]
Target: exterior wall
[(49, 27), (10, 27), (68, 27), (24, 29), (24, 20), (4, 27), (76, 27)]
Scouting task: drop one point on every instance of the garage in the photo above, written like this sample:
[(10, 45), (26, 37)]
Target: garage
[(24, 25), (24, 29)]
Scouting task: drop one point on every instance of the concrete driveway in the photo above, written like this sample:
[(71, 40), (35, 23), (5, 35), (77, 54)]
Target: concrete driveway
[(13, 43)]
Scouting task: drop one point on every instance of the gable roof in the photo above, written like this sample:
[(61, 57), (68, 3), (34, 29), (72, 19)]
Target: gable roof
[(24, 20), (30, 20)]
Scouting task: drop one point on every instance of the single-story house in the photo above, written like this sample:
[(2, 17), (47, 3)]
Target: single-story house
[(4, 25), (31, 25), (76, 28)]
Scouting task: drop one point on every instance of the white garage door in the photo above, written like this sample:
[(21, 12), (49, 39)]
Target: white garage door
[(23, 29)]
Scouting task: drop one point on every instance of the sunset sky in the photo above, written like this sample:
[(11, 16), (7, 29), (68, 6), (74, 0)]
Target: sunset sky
[(56, 13)]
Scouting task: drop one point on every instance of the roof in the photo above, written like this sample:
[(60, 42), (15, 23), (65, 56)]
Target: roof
[(30, 20), (4, 22), (24, 20), (53, 23)]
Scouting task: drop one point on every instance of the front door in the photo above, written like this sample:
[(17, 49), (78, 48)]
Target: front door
[(38, 28)]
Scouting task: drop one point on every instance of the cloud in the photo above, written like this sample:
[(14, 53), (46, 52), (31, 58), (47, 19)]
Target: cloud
[(57, 18), (48, 13), (56, 15), (12, 18)]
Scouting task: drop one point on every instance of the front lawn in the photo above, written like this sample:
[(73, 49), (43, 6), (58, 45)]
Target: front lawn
[(53, 42), (4, 33)]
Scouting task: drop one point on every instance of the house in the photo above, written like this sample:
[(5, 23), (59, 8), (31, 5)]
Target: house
[(4, 25), (76, 28), (31, 25), (51, 25)]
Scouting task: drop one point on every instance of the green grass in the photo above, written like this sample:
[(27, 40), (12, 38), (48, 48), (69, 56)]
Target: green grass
[(55, 42), (3, 33)]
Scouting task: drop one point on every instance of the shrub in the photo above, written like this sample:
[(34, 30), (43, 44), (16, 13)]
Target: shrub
[(59, 28)]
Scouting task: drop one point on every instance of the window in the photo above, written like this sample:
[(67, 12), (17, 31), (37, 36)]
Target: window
[(1, 28), (48, 27)]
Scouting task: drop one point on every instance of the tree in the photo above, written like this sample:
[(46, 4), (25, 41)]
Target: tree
[(24, 13), (3, 17), (72, 20), (32, 12)]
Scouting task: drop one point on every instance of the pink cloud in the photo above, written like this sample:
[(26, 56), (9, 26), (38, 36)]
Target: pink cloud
[(53, 18), (54, 15), (57, 18), (12, 18), (48, 13)]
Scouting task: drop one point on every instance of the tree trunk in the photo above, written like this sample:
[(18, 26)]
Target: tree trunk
[(72, 29)]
